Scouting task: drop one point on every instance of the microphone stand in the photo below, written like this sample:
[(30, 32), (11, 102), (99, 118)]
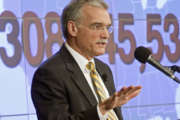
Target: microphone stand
[(174, 69), (176, 79)]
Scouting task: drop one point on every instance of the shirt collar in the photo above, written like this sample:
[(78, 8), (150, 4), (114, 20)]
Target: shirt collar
[(81, 60)]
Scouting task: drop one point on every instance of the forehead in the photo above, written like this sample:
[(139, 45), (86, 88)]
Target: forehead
[(94, 14)]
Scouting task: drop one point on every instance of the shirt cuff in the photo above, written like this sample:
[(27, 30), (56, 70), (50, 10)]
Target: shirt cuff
[(101, 116)]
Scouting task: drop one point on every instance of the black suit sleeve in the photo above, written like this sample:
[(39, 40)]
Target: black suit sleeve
[(51, 101)]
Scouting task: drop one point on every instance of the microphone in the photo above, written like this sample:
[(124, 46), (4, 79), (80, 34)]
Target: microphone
[(144, 55), (174, 68)]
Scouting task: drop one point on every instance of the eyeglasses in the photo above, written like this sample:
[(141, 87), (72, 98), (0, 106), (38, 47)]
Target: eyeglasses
[(101, 27)]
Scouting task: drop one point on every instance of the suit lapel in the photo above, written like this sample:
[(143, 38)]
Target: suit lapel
[(82, 83), (77, 76)]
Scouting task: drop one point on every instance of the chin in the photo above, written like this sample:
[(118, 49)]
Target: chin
[(100, 53)]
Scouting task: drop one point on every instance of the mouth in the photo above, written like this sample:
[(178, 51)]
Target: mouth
[(101, 42)]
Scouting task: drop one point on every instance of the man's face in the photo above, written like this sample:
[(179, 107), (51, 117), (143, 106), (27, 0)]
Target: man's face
[(92, 35)]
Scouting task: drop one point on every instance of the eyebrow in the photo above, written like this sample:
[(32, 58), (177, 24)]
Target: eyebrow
[(98, 23)]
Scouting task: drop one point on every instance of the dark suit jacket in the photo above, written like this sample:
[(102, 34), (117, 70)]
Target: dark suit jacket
[(61, 92)]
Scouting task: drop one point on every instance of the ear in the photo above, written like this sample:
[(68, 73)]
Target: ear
[(72, 28)]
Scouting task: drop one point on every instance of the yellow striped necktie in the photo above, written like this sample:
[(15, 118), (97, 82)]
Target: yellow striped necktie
[(99, 88)]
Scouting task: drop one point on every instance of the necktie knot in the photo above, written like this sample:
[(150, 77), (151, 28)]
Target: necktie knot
[(90, 66)]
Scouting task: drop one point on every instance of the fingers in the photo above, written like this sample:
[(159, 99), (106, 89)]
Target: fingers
[(130, 92), (133, 92), (120, 98), (132, 89)]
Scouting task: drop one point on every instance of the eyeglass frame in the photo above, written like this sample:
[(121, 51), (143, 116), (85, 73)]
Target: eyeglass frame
[(100, 27)]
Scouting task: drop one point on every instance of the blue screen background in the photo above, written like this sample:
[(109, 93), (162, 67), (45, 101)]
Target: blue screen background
[(160, 96)]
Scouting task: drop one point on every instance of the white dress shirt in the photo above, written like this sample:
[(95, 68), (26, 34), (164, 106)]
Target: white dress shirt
[(82, 62)]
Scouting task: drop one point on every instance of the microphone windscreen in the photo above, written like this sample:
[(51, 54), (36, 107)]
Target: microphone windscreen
[(141, 54)]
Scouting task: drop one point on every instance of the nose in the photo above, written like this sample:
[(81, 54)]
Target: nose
[(105, 33)]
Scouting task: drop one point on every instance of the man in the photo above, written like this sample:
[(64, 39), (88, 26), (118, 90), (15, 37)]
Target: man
[(68, 86)]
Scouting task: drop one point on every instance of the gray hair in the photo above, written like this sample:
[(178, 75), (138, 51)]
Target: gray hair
[(73, 12)]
